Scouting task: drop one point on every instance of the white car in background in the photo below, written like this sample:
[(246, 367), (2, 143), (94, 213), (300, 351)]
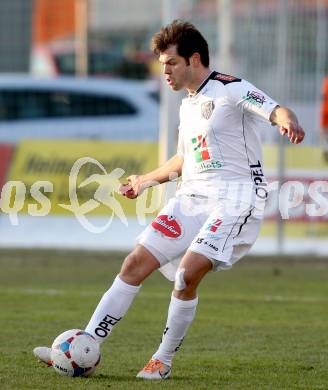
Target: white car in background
[(80, 108)]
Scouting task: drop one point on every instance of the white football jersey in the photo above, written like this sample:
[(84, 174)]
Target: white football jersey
[(219, 138)]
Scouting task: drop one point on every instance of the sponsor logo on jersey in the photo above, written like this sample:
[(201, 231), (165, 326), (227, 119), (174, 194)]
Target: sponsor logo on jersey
[(255, 98), (202, 155), (258, 179), (168, 225), (200, 148), (225, 77), (205, 166), (207, 109)]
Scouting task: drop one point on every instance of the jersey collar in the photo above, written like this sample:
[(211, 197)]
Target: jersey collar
[(202, 85)]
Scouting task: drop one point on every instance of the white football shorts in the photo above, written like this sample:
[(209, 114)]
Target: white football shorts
[(222, 230)]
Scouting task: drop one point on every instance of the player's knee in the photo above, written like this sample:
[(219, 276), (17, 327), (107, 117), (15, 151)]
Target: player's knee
[(184, 284), (137, 266), (131, 270), (179, 282)]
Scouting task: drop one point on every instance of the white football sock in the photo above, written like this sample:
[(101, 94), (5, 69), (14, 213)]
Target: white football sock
[(180, 316), (111, 308)]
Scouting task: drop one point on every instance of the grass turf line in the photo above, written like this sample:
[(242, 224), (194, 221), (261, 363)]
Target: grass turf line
[(261, 325)]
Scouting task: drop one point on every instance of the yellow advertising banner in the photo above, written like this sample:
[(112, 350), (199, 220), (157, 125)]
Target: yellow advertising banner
[(63, 176), (308, 158)]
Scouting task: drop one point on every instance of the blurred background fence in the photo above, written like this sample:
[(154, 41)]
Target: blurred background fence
[(280, 46)]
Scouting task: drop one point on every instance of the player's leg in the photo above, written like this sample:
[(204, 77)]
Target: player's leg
[(117, 300), (222, 240), (156, 248), (181, 312), (159, 243)]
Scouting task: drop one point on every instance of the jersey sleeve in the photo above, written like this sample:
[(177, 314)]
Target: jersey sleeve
[(251, 99)]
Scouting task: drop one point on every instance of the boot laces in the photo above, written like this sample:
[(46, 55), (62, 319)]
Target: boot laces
[(153, 365)]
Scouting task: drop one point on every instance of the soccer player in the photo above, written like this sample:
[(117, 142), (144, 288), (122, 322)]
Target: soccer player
[(216, 214)]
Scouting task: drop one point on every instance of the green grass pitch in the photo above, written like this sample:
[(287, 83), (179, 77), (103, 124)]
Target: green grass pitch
[(261, 325)]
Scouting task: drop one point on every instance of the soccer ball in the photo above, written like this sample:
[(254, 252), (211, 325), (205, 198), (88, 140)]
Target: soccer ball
[(75, 353)]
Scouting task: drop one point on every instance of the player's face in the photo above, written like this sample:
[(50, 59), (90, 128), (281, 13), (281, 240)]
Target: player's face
[(177, 72)]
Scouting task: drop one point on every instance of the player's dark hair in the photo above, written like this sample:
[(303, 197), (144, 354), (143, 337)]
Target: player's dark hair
[(187, 39)]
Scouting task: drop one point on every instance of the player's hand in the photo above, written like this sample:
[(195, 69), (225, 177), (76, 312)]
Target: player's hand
[(294, 132), (132, 188)]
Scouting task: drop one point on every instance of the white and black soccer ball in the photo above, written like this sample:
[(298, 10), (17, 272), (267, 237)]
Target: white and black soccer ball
[(75, 353)]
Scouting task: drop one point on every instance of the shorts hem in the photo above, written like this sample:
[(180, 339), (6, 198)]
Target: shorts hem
[(216, 264), (162, 260)]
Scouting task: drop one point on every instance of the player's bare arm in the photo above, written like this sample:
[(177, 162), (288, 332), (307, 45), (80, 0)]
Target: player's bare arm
[(288, 124), (137, 183)]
